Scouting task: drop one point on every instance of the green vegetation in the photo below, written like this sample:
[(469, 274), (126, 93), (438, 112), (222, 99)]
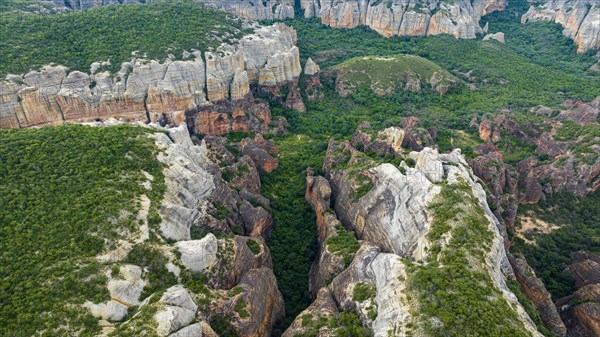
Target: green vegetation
[(504, 75), (363, 291), (346, 324), (254, 246), (240, 308), (293, 241), (365, 184), (80, 38), (389, 72), (343, 244), (64, 191), (152, 260), (222, 211), (455, 293), (579, 230)]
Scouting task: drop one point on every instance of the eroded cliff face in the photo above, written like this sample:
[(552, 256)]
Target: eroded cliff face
[(394, 212), (458, 18), (580, 19), (215, 85)]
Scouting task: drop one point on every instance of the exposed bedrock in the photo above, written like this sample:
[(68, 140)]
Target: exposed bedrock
[(215, 87)]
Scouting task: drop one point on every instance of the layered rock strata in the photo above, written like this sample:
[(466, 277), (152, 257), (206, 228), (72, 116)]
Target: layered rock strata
[(149, 90), (458, 18)]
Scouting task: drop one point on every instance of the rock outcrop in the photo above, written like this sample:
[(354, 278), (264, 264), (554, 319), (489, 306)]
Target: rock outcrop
[(312, 76), (535, 290), (211, 278), (580, 19), (581, 310), (458, 18), (496, 36), (390, 210), (214, 86)]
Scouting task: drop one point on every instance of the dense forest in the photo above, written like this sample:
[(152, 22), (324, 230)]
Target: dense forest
[(111, 33), (579, 229), (64, 191)]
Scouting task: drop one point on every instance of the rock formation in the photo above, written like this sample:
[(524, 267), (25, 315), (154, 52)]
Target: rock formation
[(496, 36), (535, 290), (312, 76), (259, 10), (388, 207), (581, 310), (211, 279), (215, 87), (580, 19), (458, 18)]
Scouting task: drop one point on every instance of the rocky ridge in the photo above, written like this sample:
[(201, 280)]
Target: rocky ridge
[(220, 282), (580, 19), (458, 18), (388, 209), (216, 85)]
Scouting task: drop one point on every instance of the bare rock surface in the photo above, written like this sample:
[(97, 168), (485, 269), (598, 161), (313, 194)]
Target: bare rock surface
[(579, 18)]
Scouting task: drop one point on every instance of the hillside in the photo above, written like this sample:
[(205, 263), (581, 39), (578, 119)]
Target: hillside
[(64, 203), (386, 75)]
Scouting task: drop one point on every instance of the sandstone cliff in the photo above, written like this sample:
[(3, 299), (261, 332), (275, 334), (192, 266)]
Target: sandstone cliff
[(392, 211), (149, 90), (580, 19), (458, 18)]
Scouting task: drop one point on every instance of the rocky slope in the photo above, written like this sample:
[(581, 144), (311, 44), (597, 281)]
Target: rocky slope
[(580, 19), (397, 214), (566, 141), (215, 86), (458, 18), (218, 285)]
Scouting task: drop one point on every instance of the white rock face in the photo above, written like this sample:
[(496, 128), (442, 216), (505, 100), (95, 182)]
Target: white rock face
[(428, 162), (497, 36), (459, 18), (197, 255), (125, 290), (144, 89), (580, 19), (393, 213), (393, 220), (311, 68), (194, 330), (179, 310), (188, 182)]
